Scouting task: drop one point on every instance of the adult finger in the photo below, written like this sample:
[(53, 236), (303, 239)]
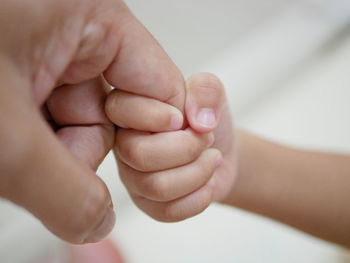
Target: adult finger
[(142, 67)]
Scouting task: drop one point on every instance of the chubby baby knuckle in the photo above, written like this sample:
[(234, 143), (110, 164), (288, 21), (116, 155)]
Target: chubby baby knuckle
[(156, 121), (173, 213), (158, 189), (192, 148), (162, 212), (111, 107), (168, 214), (205, 81), (204, 168), (115, 109), (206, 165), (110, 99), (157, 215), (129, 149), (138, 156)]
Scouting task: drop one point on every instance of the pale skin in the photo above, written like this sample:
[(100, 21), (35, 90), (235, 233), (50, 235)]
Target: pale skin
[(55, 53), (57, 57), (175, 175)]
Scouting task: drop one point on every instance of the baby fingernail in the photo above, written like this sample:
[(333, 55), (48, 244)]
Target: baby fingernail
[(176, 122), (104, 229), (219, 160), (206, 117)]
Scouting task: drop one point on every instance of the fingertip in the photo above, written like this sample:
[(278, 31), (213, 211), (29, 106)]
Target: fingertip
[(206, 118), (176, 119), (109, 106), (216, 155), (103, 229), (204, 101), (210, 139), (219, 159)]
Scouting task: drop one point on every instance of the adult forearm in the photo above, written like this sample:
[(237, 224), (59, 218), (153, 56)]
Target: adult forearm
[(307, 190)]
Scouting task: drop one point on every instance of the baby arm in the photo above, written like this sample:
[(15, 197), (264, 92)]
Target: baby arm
[(307, 190)]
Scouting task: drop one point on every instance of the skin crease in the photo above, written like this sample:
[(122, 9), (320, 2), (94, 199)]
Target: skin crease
[(68, 44), (304, 189), (62, 56), (177, 188)]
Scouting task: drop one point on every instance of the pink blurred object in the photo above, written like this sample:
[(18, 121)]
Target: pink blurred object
[(105, 252)]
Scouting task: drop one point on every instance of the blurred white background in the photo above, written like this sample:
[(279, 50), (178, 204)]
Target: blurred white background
[(286, 67)]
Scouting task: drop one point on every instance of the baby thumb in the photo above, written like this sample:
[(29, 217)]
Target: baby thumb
[(205, 98)]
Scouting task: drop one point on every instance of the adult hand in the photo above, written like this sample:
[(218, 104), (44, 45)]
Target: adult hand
[(85, 45)]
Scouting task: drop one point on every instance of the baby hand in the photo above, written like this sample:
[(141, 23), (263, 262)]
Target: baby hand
[(172, 175)]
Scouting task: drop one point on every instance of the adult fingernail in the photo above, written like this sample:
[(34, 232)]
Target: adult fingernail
[(206, 118), (104, 229)]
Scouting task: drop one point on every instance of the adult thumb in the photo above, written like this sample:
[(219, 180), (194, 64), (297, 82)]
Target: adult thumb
[(204, 102), (40, 174)]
